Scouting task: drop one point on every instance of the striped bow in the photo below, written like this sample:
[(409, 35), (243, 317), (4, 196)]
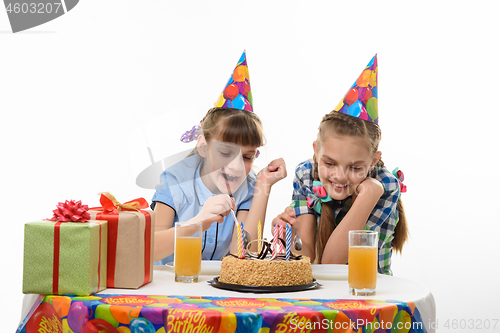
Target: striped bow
[(401, 177), (317, 196)]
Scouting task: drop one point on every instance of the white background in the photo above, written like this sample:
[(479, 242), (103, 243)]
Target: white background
[(83, 96)]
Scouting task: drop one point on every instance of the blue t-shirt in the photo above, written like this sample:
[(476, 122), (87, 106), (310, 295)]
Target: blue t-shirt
[(182, 189)]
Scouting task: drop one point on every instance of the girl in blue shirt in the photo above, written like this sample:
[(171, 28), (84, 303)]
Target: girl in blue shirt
[(197, 188)]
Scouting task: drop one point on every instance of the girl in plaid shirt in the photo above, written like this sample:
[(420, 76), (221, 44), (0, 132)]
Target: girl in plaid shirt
[(345, 186)]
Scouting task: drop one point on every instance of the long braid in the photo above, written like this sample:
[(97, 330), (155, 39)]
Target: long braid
[(401, 231), (326, 221)]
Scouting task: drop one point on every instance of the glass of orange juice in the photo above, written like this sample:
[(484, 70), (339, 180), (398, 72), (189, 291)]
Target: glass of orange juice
[(187, 256), (363, 253)]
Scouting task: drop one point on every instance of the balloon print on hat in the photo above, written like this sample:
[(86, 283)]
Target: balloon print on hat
[(237, 94), (237, 89), (361, 99), (231, 91)]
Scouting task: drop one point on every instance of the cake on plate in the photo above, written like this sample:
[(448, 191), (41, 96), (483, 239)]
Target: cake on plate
[(266, 272)]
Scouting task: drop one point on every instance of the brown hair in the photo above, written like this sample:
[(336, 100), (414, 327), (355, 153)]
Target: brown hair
[(346, 125), (233, 125)]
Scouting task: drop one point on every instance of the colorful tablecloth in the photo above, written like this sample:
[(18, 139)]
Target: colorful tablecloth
[(158, 314)]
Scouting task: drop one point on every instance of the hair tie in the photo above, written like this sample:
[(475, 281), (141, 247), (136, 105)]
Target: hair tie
[(401, 177), (192, 134), (317, 196)]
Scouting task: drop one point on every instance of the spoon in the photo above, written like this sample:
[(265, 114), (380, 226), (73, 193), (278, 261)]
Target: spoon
[(297, 242), (246, 236)]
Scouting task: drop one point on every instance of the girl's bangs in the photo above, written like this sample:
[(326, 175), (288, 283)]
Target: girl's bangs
[(240, 130)]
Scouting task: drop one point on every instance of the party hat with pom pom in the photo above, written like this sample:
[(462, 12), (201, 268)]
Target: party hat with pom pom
[(361, 101)]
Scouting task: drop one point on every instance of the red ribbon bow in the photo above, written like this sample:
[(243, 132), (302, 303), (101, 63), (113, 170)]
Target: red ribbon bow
[(318, 196), (71, 211), (110, 211), (401, 177), (111, 205)]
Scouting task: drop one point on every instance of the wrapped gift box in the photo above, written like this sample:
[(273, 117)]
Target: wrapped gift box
[(130, 241), (65, 258)]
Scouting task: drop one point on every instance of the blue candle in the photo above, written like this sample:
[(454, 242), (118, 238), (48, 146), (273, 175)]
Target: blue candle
[(288, 240), (242, 255)]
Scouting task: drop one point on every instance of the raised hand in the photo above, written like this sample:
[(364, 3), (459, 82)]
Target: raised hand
[(273, 172), (370, 188)]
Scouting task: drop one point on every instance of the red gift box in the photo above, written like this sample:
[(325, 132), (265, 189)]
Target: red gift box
[(130, 241)]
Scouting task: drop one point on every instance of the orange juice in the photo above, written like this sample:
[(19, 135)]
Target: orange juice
[(187, 258), (362, 267)]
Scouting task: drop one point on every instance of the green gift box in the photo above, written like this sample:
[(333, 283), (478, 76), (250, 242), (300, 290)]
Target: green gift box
[(65, 258)]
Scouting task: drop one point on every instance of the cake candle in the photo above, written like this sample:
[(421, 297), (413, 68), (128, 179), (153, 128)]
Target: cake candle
[(238, 234), (242, 235), (281, 236), (259, 236), (288, 240), (275, 239)]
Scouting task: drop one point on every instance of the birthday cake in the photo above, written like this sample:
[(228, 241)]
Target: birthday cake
[(276, 272)]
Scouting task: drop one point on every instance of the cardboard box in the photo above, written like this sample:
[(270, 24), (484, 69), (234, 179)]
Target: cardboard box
[(130, 247), (65, 258)]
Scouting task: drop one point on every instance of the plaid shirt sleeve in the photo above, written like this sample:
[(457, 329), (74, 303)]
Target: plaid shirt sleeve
[(384, 218), (302, 185)]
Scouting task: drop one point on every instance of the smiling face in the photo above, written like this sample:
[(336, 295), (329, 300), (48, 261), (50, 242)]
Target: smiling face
[(226, 165), (343, 163)]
